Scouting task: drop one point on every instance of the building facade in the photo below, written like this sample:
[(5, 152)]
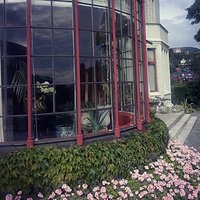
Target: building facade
[(71, 70), (158, 52)]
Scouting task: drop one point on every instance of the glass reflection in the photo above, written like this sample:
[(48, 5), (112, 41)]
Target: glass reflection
[(126, 25), (87, 69), (63, 42), (85, 17), (64, 70), (42, 41), (101, 44), (42, 70), (16, 41), (1, 13), (15, 13), (42, 98), (44, 126), (103, 97), (1, 41), (16, 101), (100, 2), (64, 98), (41, 13), (16, 129), (102, 67), (100, 19), (126, 6), (86, 43), (62, 14)]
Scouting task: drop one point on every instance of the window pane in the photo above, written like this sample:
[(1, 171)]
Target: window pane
[(103, 94), (86, 43), (63, 42), (127, 47), (64, 98), (1, 13), (42, 98), (62, 14), (126, 6), (16, 13), (16, 129), (100, 2), (17, 100), (151, 55), (101, 44), (126, 25), (100, 19), (87, 69), (103, 73), (152, 78), (42, 70), (42, 42), (85, 17), (1, 41), (64, 70), (16, 41), (41, 13)]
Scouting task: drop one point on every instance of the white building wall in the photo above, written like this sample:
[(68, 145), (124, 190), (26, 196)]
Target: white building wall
[(157, 37)]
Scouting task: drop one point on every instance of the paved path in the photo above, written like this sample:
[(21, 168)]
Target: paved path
[(193, 139)]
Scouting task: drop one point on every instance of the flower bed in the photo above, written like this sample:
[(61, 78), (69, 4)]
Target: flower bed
[(175, 175)]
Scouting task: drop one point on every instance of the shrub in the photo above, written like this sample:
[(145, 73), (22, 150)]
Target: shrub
[(190, 91), (43, 169)]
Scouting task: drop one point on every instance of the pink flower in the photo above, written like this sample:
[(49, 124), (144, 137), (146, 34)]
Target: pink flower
[(40, 195), (9, 197), (104, 196), (29, 198), (150, 188), (84, 186), (19, 192), (90, 196), (103, 190), (52, 195), (182, 193), (79, 192), (58, 191)]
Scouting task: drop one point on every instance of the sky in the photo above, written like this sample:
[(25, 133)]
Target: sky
[(173, 18)]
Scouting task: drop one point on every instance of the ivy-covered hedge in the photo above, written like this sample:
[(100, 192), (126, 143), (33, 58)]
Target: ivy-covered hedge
[(42, 169)]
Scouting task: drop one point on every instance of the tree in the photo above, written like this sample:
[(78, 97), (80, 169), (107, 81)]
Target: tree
[(193, 13)]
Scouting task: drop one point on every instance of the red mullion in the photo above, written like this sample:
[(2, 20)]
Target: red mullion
[(29, 73), (117, 129), (78, 80), (137, 71), (146, 90)]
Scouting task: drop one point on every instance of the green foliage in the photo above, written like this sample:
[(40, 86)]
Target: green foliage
[(179, 93), (187, 107), (43, 169), (194, 14), (189, 91)]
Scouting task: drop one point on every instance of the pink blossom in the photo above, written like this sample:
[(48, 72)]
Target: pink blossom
[(90, 196), (40, 195), (58, 191), (79, 192), (9, 197)]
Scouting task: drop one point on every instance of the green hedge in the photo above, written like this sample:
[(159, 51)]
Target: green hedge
[(43, 169), (190, 91)]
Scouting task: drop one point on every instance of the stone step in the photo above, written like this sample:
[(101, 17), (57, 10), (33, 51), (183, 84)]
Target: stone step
[(170, 119), (179, 126), (187, 129)]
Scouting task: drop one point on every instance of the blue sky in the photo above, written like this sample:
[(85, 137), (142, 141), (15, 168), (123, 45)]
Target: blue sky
[(173, 15)]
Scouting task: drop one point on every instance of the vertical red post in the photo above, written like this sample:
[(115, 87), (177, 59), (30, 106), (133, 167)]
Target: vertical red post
[(117, 129), (78, 80), (146, 87), (137, 70), (29, 72)]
